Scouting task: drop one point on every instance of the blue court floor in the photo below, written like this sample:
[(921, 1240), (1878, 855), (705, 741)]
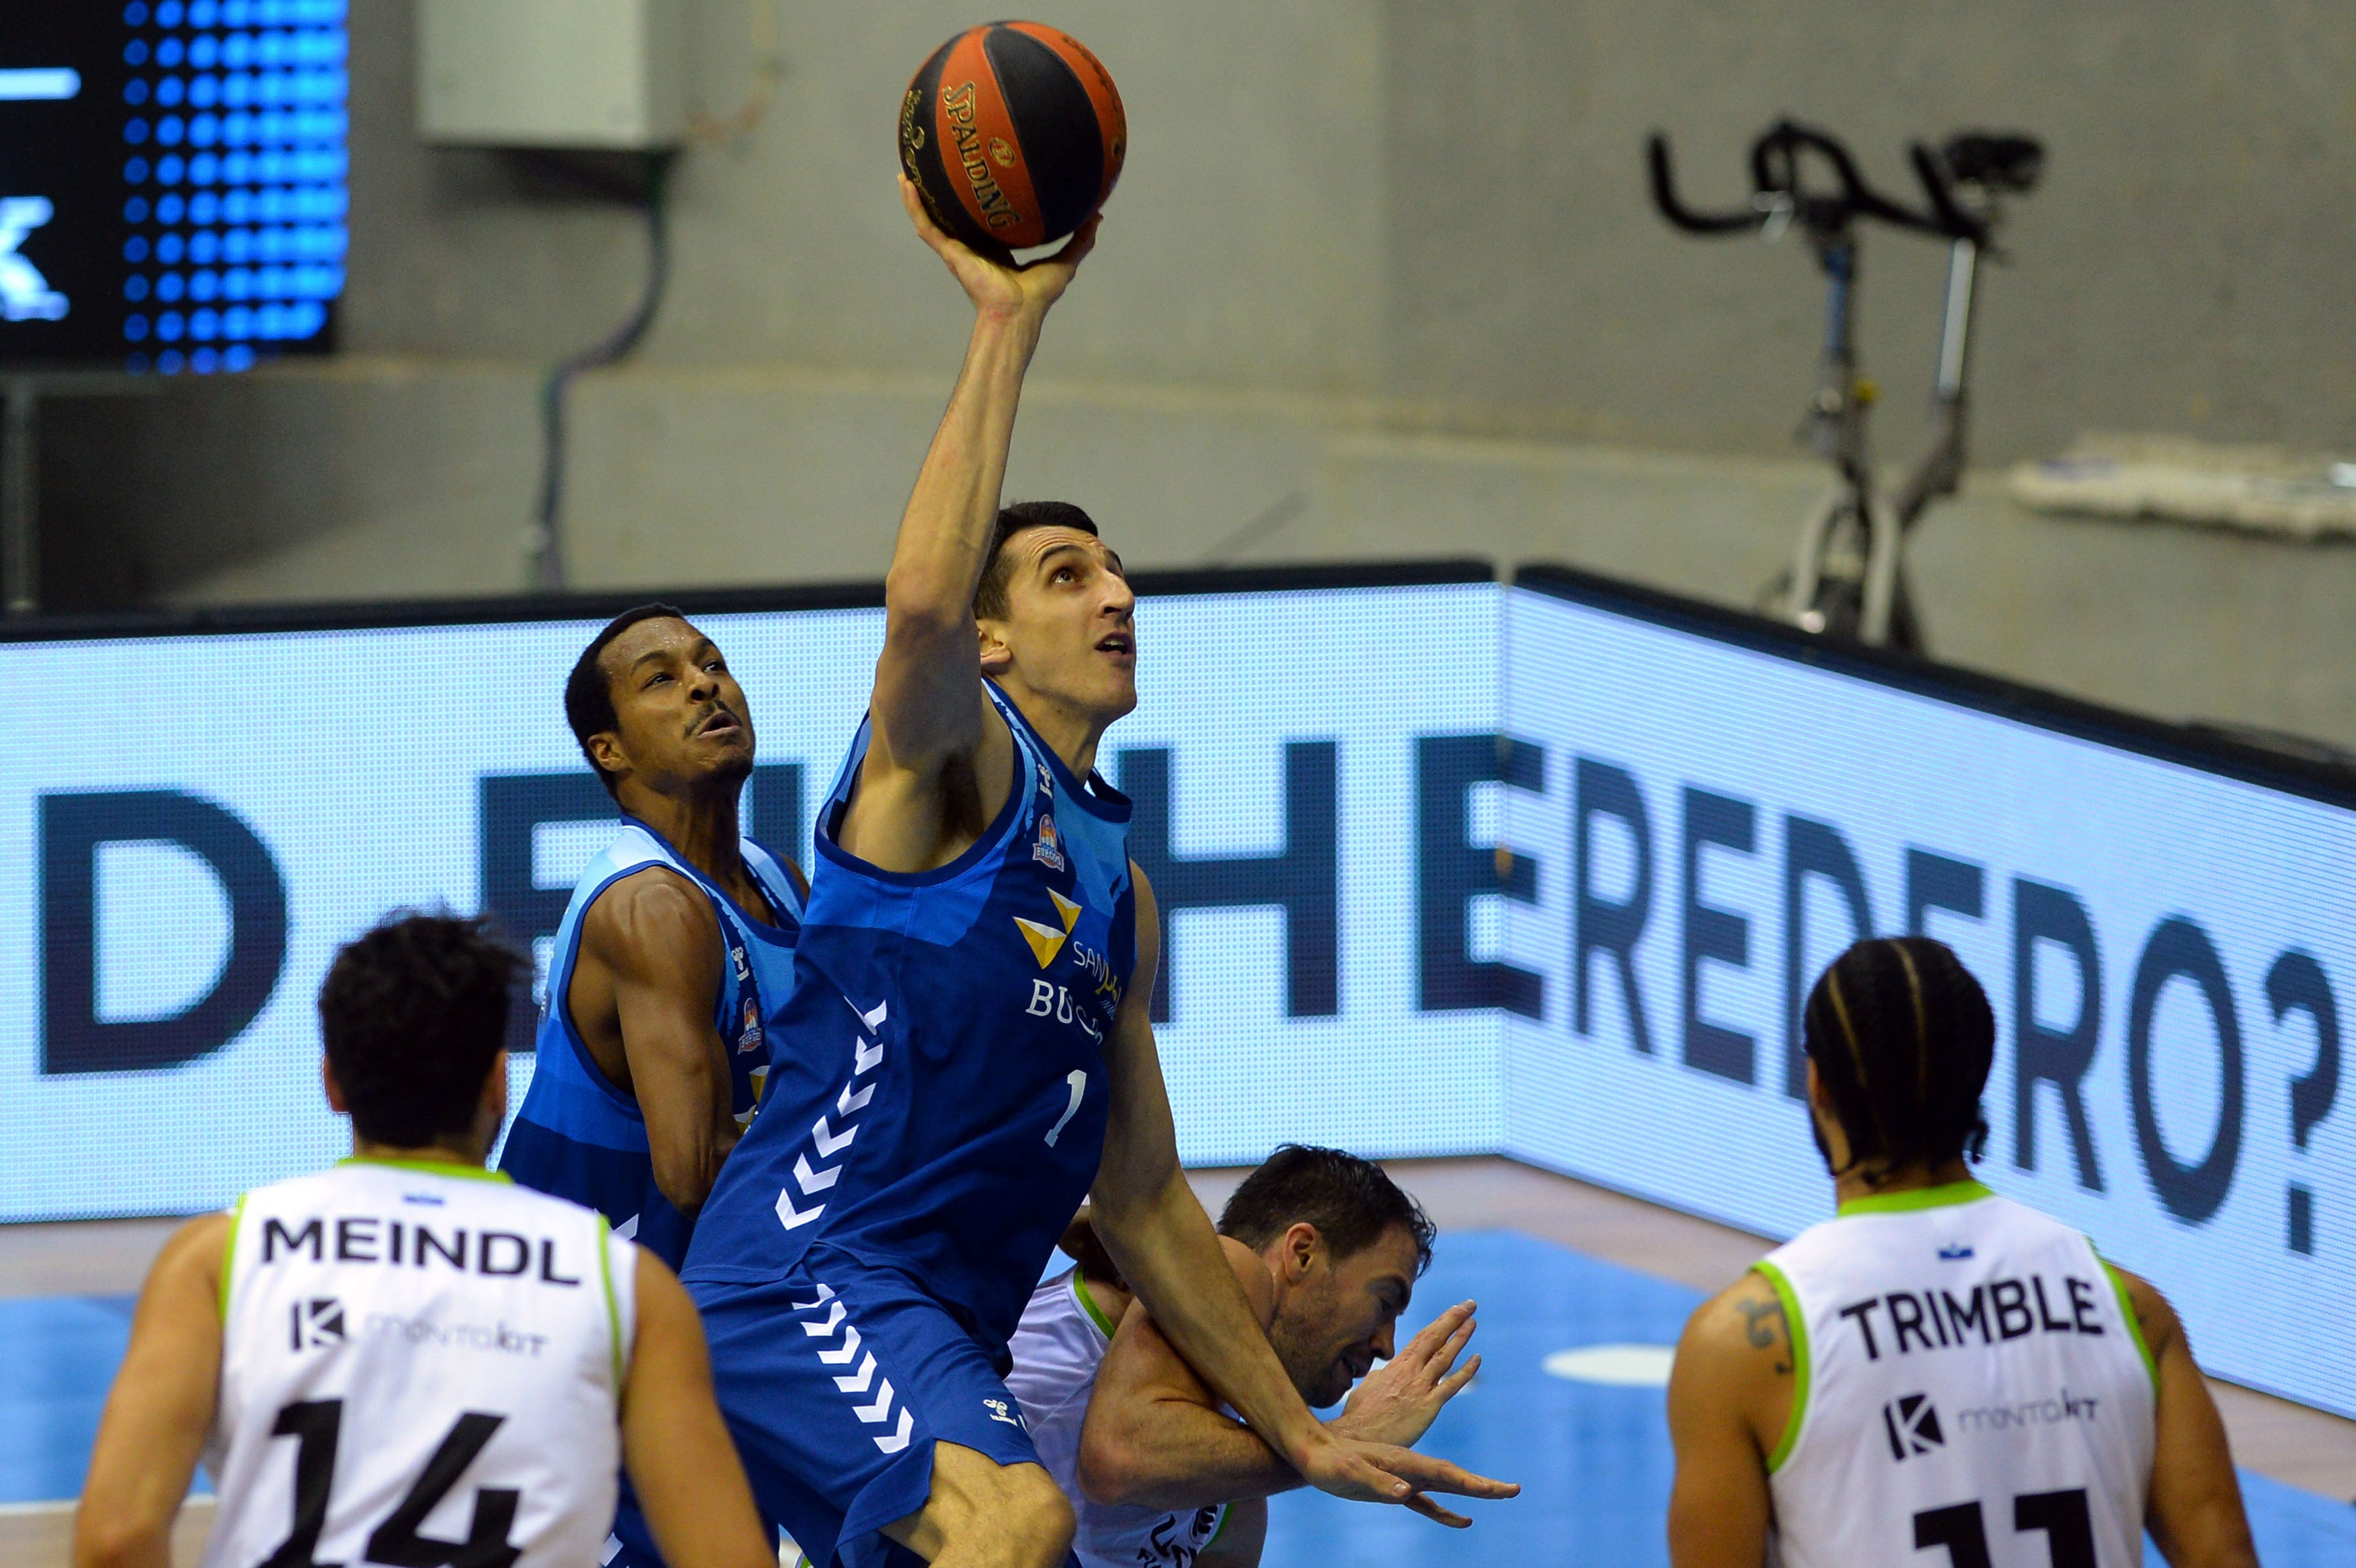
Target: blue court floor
[(1593, 1459)]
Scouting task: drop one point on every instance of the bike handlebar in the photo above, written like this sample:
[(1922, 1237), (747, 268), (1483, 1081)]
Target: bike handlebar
[(1664, 197), (1778, 186)]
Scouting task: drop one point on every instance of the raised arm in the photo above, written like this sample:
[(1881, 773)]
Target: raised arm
[(1157, 1232), (2196, 1517), (928, 711), (161, 1408), (654, 940)]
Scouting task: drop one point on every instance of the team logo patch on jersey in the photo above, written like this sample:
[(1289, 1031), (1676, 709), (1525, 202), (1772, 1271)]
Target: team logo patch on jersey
[(316, 1324), (1911, 1422), (1048, 851), (748, 1037), (1045, 940)]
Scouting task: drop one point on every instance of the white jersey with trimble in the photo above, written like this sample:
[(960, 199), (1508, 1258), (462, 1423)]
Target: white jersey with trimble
[(1057, 1349), (421, 1364), (1968, 1376)]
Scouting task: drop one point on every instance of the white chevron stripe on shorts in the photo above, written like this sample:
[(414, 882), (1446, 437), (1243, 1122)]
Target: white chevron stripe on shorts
[(878, 1411)]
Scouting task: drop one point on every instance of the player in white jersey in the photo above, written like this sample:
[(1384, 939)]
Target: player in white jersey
[(1160, 1474), (406, 1359), (1938, 1376)]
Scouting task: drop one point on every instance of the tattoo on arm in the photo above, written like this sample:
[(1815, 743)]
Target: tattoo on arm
[(1763, 1320)]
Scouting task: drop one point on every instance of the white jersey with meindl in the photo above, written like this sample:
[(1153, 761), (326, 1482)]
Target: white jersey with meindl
[(421, 1364), (1057, 1349), (1968, 1375)]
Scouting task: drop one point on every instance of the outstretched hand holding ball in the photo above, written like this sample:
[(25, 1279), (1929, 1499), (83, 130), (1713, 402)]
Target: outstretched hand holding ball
[(1014, 135), (1001, 286)]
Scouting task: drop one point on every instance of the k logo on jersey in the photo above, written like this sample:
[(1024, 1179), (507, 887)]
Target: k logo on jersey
[(316, 1324), (1911, 1422)]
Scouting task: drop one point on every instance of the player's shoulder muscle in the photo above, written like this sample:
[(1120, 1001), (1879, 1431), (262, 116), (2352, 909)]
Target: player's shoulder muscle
[(2156, 1319), (653, 924), (194, 1258), (1738, 1356)]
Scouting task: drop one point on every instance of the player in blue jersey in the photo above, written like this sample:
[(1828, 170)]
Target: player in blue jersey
[(672, 961), (967, 1052), (676, 953)]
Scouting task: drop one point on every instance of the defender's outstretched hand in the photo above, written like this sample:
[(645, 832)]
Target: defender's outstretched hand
[(997, 286), (1381, 1473), (1399, 1400)]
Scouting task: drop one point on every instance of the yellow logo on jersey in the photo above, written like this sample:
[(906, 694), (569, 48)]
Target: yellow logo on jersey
[(1046, 941)]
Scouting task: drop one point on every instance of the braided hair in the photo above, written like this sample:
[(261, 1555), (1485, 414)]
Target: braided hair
[(1902, 1037)]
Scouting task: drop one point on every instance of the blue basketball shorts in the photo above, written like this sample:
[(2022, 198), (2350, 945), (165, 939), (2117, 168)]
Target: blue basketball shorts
[(836, 1382)]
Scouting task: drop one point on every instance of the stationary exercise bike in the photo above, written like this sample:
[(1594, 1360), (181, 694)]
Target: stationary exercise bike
[(1848, 575)]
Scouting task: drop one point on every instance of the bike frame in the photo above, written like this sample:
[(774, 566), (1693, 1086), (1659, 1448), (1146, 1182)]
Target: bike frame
[(1855, 508)]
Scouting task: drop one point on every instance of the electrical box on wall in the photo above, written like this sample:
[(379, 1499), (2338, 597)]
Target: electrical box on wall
[(552, 73)]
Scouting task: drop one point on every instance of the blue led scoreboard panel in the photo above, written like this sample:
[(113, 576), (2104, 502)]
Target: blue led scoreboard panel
[(173, 181), (1445, 868)]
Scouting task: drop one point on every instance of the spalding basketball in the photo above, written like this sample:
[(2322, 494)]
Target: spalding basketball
[(1014, 133)]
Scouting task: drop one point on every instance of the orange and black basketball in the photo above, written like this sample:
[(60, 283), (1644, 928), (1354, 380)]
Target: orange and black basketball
[(1014, 133)]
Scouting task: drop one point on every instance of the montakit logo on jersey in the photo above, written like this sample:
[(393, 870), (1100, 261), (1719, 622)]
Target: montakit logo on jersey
[(1911, 1422), (2054, 1410)]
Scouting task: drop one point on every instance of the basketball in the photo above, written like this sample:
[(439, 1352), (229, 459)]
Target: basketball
[(1014, 135)]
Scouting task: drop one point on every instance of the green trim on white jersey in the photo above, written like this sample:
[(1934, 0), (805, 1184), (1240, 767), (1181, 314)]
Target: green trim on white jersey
[(1797, 1328), (612, 1309), (431, 1167), (1916, 1198), (229, 1253), (1088, 1305), (2134, 1324)]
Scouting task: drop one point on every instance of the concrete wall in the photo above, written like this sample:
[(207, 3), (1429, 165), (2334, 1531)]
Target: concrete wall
[(1381, 280)]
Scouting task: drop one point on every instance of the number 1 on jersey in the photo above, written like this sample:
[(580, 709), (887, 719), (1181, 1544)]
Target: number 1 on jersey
[(1079, 1082)]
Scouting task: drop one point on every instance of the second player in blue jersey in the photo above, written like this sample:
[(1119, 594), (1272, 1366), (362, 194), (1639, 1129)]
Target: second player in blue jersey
[(968, 1049)]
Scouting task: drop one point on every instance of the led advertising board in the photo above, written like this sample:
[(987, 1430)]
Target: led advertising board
[(1707, 824), (1445, 868)]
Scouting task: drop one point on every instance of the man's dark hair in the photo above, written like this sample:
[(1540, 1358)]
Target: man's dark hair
[(589, 694), (413, 1014), (1351, 1201), (1902, 1037), (990, 593)]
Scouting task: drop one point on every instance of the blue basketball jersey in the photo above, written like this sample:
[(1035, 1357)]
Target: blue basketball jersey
[(578, 1136), (939, 1101)]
